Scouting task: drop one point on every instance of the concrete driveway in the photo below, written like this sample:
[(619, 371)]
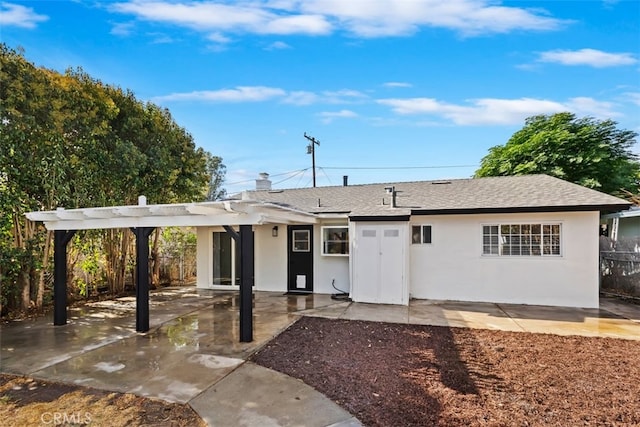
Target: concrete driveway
[(192, 353)]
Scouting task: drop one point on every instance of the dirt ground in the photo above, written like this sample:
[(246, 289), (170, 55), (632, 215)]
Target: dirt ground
[(413, 375), (29, 402)]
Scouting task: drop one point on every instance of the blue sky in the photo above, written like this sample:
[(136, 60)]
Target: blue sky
[(394, 90)]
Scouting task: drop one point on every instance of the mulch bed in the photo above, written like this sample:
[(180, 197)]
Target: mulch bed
[(29, 402), (413, 375)]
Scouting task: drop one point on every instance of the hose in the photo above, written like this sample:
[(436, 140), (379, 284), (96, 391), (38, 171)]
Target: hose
[(341, 295)]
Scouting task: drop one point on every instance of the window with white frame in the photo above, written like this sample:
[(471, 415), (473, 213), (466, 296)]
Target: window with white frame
[(521, 239), (301, 241), (421, 234), (335, 241)]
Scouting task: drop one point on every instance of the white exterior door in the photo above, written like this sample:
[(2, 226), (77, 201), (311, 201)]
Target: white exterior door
[(379, 263)]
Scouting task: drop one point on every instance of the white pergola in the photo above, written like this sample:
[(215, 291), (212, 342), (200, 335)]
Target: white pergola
[(142, 219), (231, 212)]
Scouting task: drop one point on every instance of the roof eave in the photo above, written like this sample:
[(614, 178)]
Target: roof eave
[(379, 218), (522, 209)]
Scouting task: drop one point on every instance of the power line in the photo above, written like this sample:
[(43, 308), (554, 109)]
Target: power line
[(299, 180), (396, 167), (302, 171), (295, 172), (325, 174)]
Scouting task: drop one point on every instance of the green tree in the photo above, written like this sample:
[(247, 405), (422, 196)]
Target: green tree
[(216, 171), (593, 153), (30, 151), (68, 140)]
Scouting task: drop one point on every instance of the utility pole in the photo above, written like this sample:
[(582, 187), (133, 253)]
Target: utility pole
[(311, 149)]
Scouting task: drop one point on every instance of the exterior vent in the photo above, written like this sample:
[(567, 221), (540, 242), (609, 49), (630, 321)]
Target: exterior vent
[(440, 182)]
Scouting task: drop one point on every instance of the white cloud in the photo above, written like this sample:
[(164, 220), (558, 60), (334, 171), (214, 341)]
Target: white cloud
[(122, 29), (527, 67), (633, 97), (589, 57), (264, 93), (590, 107), (397, 84), (159, 38), (380, 18), (277, 46), (400, 17), (492, 111), (19, 16), (301, 97), (343, 96), (301, 24), (238, 94), (218, 38), (217, 16), (329, 116)]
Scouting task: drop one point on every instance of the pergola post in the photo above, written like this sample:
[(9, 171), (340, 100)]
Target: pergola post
[(245, 240), (142, 277), (246, 283), (60, 240)]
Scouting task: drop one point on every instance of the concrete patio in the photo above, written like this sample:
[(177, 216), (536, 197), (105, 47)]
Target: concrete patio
[(192, 353)]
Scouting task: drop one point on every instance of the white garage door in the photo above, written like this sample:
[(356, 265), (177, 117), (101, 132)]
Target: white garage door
[(379, 264)]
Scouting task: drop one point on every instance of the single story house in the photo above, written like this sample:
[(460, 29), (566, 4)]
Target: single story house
[(522, 239)]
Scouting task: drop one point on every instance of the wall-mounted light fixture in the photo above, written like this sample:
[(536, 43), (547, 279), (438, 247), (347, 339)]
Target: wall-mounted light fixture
[(274, 231)]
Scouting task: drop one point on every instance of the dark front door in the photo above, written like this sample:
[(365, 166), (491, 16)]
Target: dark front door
[(300, 249)]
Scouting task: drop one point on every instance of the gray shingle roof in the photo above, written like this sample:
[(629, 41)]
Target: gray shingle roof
[(494, 194)]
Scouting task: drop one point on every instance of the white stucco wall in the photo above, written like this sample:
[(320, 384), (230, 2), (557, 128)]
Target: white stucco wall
[(453, 267), (270, 258), (328, 268), (204, 258), (271, 262)]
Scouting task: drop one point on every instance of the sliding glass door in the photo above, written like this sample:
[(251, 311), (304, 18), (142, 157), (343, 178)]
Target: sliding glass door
[(226, 260)]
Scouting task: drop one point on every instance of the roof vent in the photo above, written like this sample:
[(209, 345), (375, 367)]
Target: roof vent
[(440, 182), (263, 182)]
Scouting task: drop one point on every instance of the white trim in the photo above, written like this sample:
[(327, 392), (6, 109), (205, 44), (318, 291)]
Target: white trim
[(523, 222), (421, 242), (630, 213), (344, 227), (294, 240)]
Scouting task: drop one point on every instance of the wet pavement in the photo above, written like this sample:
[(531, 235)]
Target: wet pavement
[(192, 353), (614, 319)]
